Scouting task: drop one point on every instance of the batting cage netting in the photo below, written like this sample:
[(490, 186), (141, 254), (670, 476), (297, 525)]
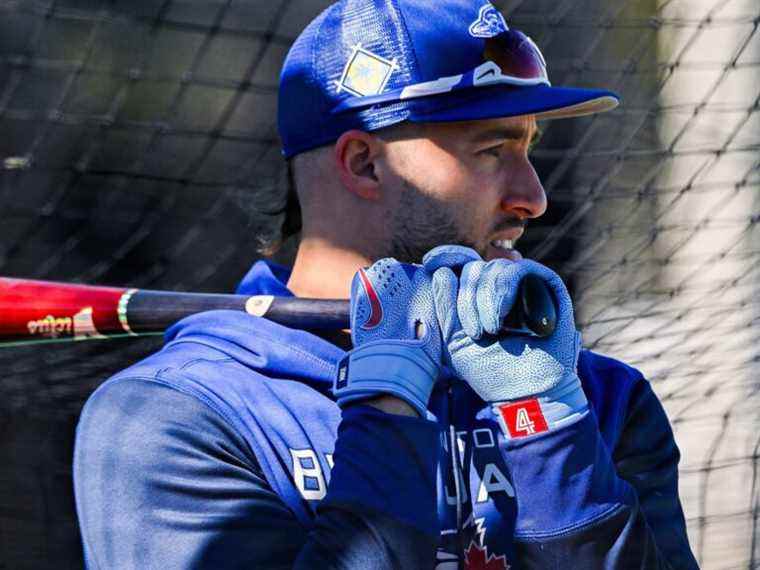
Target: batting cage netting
[(138, 147)]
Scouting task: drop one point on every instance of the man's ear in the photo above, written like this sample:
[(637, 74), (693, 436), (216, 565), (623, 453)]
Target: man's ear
[(355, 153)]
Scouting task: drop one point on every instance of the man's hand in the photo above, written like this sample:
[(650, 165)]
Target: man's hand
[(396, 337), (471, 307)]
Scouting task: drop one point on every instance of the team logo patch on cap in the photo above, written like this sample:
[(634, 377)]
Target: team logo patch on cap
[(490, 23), (366, 73)]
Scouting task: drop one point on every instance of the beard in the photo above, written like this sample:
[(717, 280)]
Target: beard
[(420, 222)]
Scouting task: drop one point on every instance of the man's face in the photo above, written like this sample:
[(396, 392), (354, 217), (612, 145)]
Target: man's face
[(467, 183)]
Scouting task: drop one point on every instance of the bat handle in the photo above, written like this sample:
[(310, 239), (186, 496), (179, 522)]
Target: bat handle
[(534, 312)]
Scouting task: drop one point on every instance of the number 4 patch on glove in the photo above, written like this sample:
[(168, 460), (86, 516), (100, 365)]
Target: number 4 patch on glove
[(521, 419)]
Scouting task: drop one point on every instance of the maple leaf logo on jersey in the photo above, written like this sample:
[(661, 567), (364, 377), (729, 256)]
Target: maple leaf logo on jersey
[(477, 558)]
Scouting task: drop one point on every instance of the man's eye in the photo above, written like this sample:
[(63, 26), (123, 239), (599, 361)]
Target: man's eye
[(492, 151)]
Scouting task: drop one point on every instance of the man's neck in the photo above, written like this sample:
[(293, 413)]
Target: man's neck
[(324, 271)]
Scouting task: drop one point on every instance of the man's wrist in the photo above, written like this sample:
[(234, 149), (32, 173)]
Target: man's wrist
[(555, 409), (390, 405), (386, 368)]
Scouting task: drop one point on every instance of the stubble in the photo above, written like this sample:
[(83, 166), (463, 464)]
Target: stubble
[(419, 223)]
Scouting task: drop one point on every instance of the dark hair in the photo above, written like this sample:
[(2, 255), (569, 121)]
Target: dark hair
[(291, 222)]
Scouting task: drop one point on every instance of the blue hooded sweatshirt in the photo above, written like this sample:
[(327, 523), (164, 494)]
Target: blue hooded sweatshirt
[(226, 450)]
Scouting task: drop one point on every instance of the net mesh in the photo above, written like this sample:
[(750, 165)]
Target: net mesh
[(139, 148)]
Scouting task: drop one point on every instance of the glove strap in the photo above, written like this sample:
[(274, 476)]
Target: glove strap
[(394, 367), (555, 409)]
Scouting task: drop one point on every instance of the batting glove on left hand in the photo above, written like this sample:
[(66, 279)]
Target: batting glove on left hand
[(396, 336), (533, 381)]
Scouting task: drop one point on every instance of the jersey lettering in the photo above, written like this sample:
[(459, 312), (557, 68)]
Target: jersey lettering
[(451, 498), (483, 438), (307, 474), (493, 481)]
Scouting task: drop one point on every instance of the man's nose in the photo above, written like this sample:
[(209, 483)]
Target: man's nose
[(524, 195)]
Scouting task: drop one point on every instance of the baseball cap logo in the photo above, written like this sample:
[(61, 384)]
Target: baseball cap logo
[(366, 73), (490, 23)]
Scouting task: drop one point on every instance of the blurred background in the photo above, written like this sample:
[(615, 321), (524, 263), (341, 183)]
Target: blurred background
[(138, 147)]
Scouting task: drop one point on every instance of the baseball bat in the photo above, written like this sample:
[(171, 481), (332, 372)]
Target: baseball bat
[(34, 311)]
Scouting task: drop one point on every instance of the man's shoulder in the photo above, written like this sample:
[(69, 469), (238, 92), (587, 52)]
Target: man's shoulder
[(606, 367), (614, 390), (187, 367), (602, 374), (215, 379)]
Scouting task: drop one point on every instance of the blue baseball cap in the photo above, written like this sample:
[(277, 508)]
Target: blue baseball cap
[(369, 64)]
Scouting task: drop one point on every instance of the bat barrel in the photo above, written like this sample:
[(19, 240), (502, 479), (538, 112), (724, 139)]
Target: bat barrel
[(41, 310), (33, 311)]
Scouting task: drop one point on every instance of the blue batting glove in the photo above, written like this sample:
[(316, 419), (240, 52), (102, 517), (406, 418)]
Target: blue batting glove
[(532, 382), (396, 337)]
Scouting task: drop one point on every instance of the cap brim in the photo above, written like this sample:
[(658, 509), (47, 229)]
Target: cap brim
[(543, 101)]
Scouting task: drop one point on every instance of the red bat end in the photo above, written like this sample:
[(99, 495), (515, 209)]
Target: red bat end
[(37, 310)]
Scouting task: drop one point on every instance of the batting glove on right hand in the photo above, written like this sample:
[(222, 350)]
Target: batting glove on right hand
[(532, 381), (396, 337)]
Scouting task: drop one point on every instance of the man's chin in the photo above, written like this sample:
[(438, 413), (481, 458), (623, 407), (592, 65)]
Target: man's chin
[(487, 252)]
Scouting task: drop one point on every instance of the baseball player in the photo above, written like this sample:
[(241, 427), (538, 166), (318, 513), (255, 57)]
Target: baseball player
[(429, 438)]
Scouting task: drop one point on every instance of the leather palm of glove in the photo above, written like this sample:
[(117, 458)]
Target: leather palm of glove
[(396, 337), (532, 382)]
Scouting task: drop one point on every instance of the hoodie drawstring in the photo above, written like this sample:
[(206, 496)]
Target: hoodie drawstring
[(457, 470)]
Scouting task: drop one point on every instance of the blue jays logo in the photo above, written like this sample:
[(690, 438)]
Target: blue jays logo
[(490, 23)]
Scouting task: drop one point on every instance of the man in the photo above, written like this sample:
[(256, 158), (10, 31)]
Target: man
[(438, 441)]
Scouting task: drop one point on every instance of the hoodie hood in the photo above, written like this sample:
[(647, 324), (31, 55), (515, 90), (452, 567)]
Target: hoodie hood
[(270, 349)]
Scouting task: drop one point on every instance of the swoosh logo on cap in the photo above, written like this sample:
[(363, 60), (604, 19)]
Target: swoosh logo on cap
[(376, 314), (491, 71)]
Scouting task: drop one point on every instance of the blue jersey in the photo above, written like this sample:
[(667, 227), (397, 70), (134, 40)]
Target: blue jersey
[(226, 450)]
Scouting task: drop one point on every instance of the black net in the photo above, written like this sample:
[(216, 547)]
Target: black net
[(138, 148)]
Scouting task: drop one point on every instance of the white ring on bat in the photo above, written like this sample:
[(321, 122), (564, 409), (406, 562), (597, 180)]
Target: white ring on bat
[(121, 311)]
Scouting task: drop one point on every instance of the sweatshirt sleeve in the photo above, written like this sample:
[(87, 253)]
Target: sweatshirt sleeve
[(385, 470), (578, 502), (647, 457), (162, 481)]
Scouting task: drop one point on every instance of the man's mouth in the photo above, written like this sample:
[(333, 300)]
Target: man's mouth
[(503, 249), (503, 244)]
